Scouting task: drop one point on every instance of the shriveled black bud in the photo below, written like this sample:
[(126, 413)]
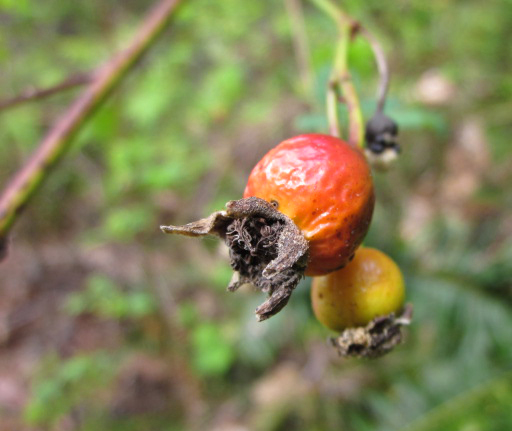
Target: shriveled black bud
[(381, 133), (376, 147)]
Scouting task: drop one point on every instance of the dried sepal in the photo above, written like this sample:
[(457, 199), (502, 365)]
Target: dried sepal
[(214, 224), (267, 249), (376, 339)]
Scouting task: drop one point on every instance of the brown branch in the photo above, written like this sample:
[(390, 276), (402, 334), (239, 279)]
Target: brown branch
[(382, 66), (51, 149), (32, 94)]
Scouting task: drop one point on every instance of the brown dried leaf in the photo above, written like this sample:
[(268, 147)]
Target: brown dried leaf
[(211, 225)]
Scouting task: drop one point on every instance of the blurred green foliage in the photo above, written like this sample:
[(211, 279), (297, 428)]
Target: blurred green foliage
[(179, 139), (63, 385), (103, 298)]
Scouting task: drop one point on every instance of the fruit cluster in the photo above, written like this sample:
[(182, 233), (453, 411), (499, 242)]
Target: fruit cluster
[(325, 186), (306, 209)]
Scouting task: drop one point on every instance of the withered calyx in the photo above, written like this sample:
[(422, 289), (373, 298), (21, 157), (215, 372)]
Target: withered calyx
[(377, 338), (267, 249)]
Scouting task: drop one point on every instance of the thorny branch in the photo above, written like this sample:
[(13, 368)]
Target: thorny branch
[(31, 94), (52, 148)]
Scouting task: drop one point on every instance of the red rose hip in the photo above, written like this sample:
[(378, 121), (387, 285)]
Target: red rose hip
[(325, 186)]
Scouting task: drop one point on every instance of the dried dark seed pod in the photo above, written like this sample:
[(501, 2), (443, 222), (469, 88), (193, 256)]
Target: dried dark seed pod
[(380, 135), (381, 130)]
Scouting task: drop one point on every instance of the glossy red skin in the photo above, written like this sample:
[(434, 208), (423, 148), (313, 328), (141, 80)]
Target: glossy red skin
[(325, 186)]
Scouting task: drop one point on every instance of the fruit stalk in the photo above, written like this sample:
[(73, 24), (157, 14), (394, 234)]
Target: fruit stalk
[(52, 148), (300, 43), (341, 78), (382, 66)]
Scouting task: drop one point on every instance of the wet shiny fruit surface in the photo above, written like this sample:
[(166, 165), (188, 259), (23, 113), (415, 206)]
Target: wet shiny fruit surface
[(370, 286), (325, 186)]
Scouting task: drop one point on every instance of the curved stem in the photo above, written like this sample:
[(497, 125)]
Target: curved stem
[(332, 109), (52, 148), (382, 66), (355, 115), (335, 12), (339, 66)]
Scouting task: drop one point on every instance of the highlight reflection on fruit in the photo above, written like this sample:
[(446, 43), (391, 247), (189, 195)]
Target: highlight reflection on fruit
[(325, 186), (370, 286)]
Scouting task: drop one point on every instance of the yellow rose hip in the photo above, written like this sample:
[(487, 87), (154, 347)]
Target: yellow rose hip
[(371, 285)]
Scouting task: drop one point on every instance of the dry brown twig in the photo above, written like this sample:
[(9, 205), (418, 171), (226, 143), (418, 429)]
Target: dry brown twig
[(32, 94)]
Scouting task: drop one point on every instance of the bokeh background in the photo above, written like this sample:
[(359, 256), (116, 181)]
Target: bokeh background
[(105, 323)]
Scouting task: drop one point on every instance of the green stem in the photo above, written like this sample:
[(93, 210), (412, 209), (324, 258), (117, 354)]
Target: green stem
[(301, 44), (332, 110), (340, 61), (53, 147), (355, 115), (341, 79), (330, 9)]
